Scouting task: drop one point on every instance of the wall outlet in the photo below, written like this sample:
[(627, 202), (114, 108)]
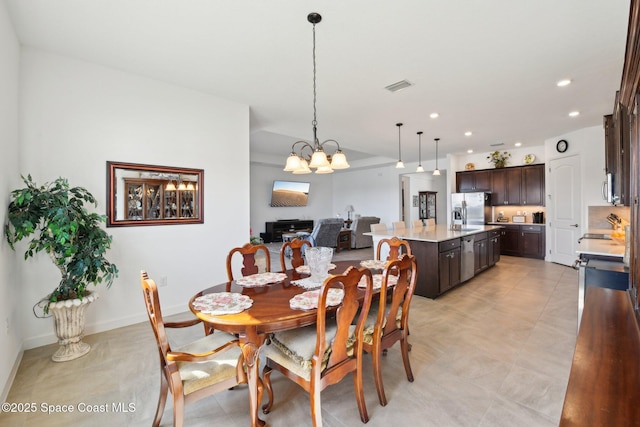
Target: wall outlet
[(163, 281)]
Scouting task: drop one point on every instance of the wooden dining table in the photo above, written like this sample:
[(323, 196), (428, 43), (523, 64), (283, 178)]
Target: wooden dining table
[(270, 312)]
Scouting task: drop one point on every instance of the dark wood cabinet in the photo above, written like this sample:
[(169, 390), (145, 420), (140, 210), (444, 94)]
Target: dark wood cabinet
[(427, 205), (618, 151), (523, 240), (449, 266), (480, 253), (493, 247), (273, 230), (533, 185), (471, 181)]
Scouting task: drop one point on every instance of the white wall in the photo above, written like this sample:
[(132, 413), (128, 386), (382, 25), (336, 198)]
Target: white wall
[(75, 116), (10, 329)]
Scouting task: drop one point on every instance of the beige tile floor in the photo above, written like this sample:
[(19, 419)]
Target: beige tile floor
[(495, 351)]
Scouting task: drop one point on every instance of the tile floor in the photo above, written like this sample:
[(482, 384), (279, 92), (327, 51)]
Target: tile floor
[(495, 351)]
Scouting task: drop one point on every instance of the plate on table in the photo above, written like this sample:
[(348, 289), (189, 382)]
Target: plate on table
[(377, 281), (528, 159), (304, 269), (376, 264), (260, 279), (309, 300), (222, 303)]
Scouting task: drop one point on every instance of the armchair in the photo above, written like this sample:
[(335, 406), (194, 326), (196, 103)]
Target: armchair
[(326, 231), (362, 225)]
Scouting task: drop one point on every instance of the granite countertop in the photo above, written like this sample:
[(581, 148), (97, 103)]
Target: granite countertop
[(439, 233), (514, 223), (613, 247)]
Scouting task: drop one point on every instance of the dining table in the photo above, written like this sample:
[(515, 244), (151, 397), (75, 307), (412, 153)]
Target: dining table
[(270, 311)]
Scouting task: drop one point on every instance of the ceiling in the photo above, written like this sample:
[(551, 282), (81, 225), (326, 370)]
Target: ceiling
[(488, 66)]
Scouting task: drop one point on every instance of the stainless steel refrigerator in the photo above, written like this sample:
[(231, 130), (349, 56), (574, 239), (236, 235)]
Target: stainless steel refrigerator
[(471, 208)]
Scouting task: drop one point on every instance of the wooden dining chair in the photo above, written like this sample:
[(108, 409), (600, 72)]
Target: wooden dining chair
[(293, 249), (396, 247), (319, 355), (249, 264), (388, 322), (195, 370)]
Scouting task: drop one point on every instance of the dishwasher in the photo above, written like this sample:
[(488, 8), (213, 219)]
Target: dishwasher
[(467, 258)]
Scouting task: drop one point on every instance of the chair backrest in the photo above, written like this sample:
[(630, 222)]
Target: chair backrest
[(326, 231), (294, 248), (249, 263), (152, 303), (418, 223), (430, 222), (397, 247), (346, 313), (405, 269), (378, 228), (398, 225)]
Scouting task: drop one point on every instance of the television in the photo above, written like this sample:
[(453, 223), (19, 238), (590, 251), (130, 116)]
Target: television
[(289, 193)]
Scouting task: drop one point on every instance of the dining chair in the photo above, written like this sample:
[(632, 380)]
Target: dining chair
[(295, 250), (388, 322), (195, 370), (418, 223), (430, 222), (394, 247), (317, 356), (378, 228), (249, 263), (398, 226)]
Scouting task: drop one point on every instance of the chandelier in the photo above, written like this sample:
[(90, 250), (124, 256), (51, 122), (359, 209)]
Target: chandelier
[(317, 159)]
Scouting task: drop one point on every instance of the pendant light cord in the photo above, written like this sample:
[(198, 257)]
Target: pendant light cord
[(315, 121)]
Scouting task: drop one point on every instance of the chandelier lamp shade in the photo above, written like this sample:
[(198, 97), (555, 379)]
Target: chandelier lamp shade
[(300, 162), (437, 171), (420, 168), (400, 164)]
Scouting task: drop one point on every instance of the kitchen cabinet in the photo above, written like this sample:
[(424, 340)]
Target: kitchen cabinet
[(618, 152), (471, 181), (523, 240), (449, 264), (493, 247), (533, 185), (506, 184), (480, 253)]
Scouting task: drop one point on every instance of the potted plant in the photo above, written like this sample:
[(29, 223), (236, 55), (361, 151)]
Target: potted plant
[(499, 159), (56, 220)]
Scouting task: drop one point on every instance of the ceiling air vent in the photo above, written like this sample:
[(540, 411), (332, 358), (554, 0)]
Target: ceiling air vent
[(497, 144), (398, 86)]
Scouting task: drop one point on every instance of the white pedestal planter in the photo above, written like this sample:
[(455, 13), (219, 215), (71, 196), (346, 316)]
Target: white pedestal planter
[(69, 324)]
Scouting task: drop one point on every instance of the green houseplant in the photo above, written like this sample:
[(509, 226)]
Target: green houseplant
[(55, 219)]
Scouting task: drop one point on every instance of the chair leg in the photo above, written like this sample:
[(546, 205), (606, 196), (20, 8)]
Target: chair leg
[(377, 374), (405, 347), (162, 400), (359, 389), (178, 409), (316, 407), (266, 379)]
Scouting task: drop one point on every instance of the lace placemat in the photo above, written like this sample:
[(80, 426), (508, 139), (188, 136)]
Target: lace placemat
[(306, 283), (375, 264), (260, 279), (304, 269), (222, 303), (309, 300), (377, 281)]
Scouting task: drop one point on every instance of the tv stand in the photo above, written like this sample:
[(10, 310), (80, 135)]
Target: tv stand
[(274, 229)]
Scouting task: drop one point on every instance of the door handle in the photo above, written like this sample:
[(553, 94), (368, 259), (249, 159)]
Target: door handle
[(574, 225)]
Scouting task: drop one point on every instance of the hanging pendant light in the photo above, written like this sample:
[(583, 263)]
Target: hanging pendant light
[(437, 171), (296, 162), (420, 168), (399, 165)]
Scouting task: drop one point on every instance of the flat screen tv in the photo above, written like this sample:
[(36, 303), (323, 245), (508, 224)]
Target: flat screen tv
[(289, 193)]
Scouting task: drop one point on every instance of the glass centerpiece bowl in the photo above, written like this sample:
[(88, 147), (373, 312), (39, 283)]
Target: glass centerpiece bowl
[(318, 259)]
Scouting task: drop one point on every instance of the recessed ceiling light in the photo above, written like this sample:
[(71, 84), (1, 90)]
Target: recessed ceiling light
[(434, 115), (468, 133), (469, 151), (518, 144), (563, 83), (574, 114)]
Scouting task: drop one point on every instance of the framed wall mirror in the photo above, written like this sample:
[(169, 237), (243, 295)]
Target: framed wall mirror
[(153, 195)]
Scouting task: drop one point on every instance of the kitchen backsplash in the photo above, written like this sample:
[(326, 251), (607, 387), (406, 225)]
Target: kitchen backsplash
[(598, 215), (510, 211)]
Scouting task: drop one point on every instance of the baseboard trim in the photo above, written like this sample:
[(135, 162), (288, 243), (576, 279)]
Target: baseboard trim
[(12, 376)]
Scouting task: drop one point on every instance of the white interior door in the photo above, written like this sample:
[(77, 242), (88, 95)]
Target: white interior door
[(563, 206)]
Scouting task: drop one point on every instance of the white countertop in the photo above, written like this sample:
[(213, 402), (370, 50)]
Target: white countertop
[(439, 233), (514, 223), (612, 248)]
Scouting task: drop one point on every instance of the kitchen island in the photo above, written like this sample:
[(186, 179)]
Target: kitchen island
[(447, 258)]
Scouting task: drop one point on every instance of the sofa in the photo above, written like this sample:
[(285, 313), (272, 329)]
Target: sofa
[(362, 225)]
